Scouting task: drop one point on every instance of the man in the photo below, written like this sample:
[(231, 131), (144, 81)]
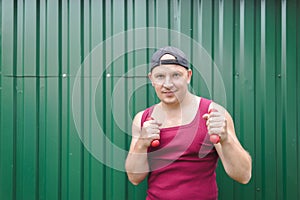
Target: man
[(183, 165)]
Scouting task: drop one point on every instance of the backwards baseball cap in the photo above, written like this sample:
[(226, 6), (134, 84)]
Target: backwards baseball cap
[(180, 58)]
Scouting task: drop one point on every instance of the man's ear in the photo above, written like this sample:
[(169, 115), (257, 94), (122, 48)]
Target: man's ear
[(190, 73)]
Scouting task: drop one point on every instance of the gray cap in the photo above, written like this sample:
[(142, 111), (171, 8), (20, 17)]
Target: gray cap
[(180, 58)]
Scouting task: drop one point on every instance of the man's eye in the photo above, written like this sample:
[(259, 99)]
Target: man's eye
[(176, 75), (159, 76)]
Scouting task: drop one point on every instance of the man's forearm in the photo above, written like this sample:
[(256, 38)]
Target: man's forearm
[(137, 167), (237, 162)]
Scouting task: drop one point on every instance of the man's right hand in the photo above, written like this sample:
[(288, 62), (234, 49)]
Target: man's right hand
[(150, 131)]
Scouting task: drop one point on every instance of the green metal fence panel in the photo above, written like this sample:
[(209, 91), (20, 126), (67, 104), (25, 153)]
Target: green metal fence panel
[(73, 75)]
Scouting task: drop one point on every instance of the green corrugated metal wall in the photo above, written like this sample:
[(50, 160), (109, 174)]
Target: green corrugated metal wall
[(43, 152)]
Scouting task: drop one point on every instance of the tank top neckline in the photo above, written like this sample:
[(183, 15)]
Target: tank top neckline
[(196, 118)]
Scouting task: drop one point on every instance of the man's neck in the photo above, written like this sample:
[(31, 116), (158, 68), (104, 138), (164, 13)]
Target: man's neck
[(188, 100)]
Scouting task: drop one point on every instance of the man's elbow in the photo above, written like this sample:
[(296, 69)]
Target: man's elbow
[(135, 180), (246, 173), (244, 178)]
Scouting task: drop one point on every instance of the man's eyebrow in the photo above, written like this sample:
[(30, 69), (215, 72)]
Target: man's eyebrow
[(179, 72)]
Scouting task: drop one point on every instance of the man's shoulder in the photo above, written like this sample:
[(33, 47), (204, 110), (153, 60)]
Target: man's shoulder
[(140, 113)]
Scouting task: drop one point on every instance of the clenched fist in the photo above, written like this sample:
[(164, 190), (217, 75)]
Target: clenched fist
[(216, 125), (150, 132)]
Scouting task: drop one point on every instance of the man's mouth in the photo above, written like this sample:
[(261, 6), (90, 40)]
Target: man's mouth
[(168, 92)]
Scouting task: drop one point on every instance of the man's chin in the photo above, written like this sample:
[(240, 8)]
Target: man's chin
[(170, 101)]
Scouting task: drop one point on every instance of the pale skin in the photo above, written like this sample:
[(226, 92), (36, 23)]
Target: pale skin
[(177, 107)]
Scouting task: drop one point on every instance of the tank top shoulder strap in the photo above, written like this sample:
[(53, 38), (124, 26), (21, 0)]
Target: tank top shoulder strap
[(204, 105), (147, 113)]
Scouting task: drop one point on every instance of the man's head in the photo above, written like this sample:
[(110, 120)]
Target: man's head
[(170, 74)]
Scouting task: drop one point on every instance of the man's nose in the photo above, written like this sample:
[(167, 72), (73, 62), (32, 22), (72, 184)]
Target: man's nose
[(168, 82)]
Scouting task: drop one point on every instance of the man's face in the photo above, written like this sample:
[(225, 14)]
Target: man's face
[(170, 82)]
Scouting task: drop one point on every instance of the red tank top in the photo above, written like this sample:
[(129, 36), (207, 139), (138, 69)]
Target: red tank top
[(183, 166)]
